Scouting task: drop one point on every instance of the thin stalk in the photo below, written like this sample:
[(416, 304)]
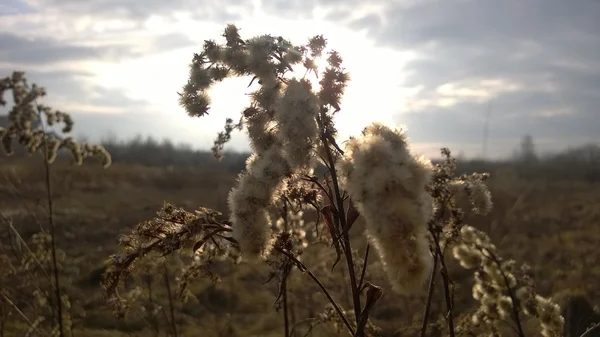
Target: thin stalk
[(25, 318), (170, 296), (436, 259), (286, 274), (449, 305), (430, 292), (293, 317), (305, 269), (514, 306), (364, 267), (593, 331), (286, 320), (24, 244), (154, 322), (57, 292), (511, 294), (345, 234)]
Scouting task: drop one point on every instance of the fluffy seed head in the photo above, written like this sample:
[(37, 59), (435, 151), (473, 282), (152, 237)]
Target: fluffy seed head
[(387, 185)]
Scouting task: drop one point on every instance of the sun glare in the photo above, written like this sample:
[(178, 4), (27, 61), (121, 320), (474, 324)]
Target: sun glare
[(372, 94), (300, 71)]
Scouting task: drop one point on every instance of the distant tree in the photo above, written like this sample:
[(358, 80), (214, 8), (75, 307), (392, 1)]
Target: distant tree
[(167, 145), (527, 153)]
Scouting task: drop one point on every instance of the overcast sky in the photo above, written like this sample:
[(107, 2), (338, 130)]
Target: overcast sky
[(437, 66)]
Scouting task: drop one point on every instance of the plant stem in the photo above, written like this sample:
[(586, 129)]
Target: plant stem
[(511, 293), (170, 295), (364, 267), (430, 292), (592, 331), (444, 271), (514, 306), (286, 274), (57, 292), (22, 314), (345, 234), (286, 320), (305, 269)]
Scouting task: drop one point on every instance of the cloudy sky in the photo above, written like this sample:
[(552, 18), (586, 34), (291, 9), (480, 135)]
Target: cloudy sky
[(437, 66)]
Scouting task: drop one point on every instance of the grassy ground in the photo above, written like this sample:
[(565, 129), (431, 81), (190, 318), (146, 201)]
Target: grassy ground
[(554, 226)]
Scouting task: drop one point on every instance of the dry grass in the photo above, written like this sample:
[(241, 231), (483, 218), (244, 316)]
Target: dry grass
[(554, 226)]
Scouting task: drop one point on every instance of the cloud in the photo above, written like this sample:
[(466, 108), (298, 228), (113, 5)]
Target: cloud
[(435, 65), (11, 7), (76, 93), (99, 112), (28, 52), (21, 50), (534, 63), (215, 10), (66, 52)]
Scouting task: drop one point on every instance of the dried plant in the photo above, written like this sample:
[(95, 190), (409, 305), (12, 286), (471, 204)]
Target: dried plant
[(26, 113), (503, 292), (36, 270), (278, 210), (410, 206)]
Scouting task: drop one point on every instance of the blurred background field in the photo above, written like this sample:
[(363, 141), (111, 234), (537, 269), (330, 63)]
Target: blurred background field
[(547, 214)]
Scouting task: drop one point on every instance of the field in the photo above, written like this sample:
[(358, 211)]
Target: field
[(553, 224)]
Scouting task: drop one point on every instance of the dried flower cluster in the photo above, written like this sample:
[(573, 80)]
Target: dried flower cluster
[(172, 229), (474, 188), (25, 281), (446, 188), (502, 295), (408, 204), (387, 185), (33, 287), (26, 113), (282, 121)]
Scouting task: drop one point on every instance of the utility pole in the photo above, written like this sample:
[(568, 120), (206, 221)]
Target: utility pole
[(486, 126)]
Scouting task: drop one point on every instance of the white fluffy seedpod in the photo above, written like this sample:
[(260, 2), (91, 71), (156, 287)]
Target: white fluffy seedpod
[(247, 204), (480, 197), (387, 186), (277, 152), (295, 115), (478, 193), (249, 200), (468, 258)]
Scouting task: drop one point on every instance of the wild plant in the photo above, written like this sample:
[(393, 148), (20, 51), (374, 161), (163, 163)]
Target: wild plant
[(30, 270), (410, 207)]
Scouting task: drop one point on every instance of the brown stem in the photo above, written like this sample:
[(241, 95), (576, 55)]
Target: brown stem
[(170, 296), (57, 292), (25, 318), (286, 320), (293, 318), (436, 259), (305, 269), (321, 187), (511, 293), (344, 228), (364, 267), (446, 279), (514, 306), (23, 243), (286, 274), (374, 293), (593, 331), (154, 321), (430, 292)]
